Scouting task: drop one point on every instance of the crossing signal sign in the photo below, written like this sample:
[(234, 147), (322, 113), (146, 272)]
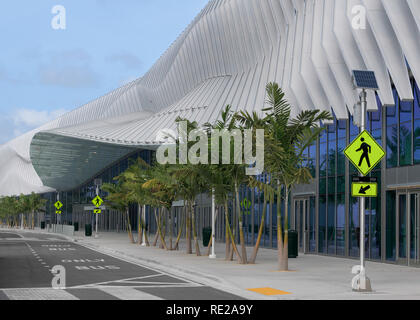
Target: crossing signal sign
[(97, 201), (364, 153), (58, 205), (360, 189)]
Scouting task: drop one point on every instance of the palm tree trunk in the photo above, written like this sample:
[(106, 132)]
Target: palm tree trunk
[(229, 231), (157, 232), (33, 220), (181, 224), (227, 237), (139, 225), (241, 231), (260, 230), (197, 246), (130, 232), (161, 235), (188, 232), (170, 228)]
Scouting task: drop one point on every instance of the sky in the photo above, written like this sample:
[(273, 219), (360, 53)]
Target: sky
[(46, 71)]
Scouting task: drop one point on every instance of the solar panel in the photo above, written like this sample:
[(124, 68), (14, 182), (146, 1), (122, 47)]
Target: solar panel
[(365, 79)]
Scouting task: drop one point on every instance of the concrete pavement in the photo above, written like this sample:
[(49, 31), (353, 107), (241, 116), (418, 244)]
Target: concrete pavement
[(28, 260), (310, 276)]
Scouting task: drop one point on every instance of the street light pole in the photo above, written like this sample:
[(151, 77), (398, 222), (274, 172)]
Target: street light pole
[(361, 282), (213, 223)]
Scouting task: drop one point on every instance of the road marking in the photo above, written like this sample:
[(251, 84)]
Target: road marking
[(105, 252), (38, 294), (129, 294), (267, 291)]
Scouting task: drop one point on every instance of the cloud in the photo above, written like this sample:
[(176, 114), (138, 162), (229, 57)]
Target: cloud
[(128, 60), (69, 76), (22, 120), (29, 118), (70, 68)]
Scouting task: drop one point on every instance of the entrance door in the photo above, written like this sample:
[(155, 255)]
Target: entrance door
[(408, 227), (304, 223)]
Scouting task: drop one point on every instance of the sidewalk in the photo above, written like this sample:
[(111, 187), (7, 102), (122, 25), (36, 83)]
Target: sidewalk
[(311, 276)]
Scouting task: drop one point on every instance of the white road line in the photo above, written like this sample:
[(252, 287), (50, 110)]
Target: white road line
[(38, 294), (137, 263), (129, 294)]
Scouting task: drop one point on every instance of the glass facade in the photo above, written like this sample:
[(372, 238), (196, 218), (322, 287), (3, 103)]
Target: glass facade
[(326, 218)]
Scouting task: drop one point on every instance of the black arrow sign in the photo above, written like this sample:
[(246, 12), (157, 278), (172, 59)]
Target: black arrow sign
[(363, 190)]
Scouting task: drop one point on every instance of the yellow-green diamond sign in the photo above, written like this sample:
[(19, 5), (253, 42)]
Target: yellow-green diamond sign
[(58, 205), (97, 201), (364, 152)]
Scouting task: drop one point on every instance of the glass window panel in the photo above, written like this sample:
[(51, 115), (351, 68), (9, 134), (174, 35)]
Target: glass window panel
[(332, 148), (323, 136), (354, 227), (341, 184), (416, 143), (341, 158), (311, 226), (322, 248), (402, 224), (375, 225), (405, 144), (331, 185), (323, 160), (416, 101), (322, 185), (312, 160), (123, 165), (390, 224), (331, 224), (341, 224), (406, 109), (392, 146)]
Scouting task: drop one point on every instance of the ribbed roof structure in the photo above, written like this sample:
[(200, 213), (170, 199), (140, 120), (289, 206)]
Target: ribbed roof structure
[(227, 55)]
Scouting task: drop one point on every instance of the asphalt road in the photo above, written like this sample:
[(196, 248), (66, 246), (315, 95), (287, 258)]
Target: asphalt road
[(27, 262)]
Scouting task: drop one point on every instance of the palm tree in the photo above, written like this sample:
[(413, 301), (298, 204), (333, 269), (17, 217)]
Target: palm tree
[(294, 136), (36, 204), (119, 199), (162, 187), (134, 178)]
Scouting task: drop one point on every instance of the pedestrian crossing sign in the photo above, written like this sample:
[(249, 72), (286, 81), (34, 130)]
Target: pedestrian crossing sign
[(364, 152), (360, 189), (97, 201), (58, 205)]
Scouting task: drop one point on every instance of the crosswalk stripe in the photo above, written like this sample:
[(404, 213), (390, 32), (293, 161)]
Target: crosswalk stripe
[(38, 294), (129, 294)]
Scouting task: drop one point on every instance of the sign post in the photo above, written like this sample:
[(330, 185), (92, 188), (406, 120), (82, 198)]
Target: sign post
[(365, 153), (97, 201)]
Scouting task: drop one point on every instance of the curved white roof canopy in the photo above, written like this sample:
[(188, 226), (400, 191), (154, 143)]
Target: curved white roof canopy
[(226, 56)]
